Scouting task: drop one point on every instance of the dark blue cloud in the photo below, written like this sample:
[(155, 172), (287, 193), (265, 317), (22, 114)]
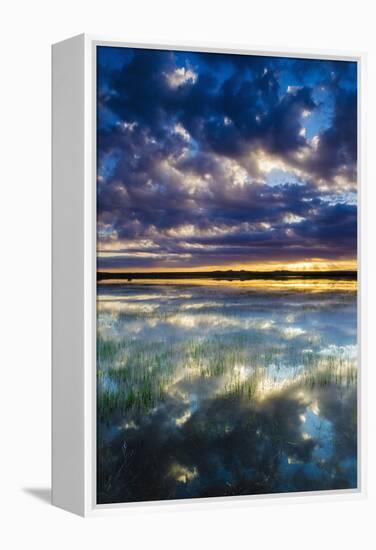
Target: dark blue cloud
[(180, 137)]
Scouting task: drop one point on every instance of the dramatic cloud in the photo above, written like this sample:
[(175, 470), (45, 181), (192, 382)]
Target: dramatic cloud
[(224, 160)]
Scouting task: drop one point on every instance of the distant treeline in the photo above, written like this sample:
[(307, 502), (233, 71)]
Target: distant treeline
[(232, 275)]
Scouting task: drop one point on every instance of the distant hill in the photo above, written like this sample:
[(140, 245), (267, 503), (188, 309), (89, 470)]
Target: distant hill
[(231, 275)]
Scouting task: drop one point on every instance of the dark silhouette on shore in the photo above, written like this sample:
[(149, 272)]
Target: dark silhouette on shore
[(231, 275)]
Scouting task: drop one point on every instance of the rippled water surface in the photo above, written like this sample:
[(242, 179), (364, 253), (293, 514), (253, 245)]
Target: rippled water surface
[(209, 388)]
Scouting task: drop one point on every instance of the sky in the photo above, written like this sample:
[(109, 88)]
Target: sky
[(216, 161)]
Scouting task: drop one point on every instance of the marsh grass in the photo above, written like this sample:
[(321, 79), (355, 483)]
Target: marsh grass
[(137, 374), (236, 386), (332, 371)]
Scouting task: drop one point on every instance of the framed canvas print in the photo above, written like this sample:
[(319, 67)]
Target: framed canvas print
[(206, 275)]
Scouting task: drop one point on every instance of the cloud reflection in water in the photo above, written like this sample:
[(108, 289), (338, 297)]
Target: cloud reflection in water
[(246, 391)]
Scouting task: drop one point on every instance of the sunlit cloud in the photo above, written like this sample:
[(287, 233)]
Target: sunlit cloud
[(181, 76), (290, 218)]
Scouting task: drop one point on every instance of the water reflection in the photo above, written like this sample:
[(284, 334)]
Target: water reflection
[(225, 389)]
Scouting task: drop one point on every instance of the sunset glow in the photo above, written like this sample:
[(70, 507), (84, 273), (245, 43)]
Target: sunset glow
[(312, 265)]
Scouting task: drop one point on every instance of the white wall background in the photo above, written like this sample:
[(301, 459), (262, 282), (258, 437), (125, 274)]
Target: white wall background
[(27, 30)]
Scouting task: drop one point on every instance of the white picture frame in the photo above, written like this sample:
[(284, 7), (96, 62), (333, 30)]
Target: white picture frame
[(74, 278)]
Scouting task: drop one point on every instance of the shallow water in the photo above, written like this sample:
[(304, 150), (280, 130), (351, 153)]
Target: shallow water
[(225, 388)]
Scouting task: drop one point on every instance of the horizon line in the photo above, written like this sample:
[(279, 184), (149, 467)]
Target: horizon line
[(207, 272)]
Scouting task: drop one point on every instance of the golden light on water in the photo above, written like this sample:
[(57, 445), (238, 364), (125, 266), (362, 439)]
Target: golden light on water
[(182, 473), (304, 285)]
